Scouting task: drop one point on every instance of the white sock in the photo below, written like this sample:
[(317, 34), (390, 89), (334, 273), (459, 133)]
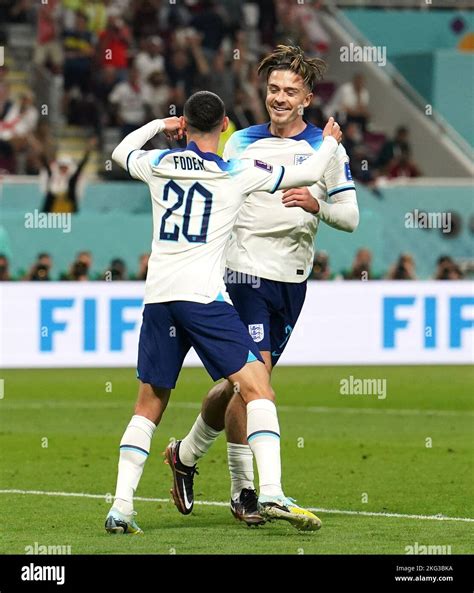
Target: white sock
[(134, 450), (197, 442), (240, 458), (263, 433)]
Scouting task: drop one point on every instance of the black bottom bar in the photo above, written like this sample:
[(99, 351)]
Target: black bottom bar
[(235, 574)]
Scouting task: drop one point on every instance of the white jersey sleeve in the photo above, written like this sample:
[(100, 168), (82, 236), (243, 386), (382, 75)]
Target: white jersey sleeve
[(257, 175), (139, 163), (338, 208), (128, 154), (269, 178)]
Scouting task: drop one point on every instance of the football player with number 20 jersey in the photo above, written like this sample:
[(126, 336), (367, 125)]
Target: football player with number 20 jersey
[(196, 197)]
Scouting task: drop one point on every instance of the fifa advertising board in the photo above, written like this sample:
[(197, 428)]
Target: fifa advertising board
[(97, 324)]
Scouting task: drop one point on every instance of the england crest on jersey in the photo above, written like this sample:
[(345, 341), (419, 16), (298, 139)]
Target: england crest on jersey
[(299, 158), (256, 331)]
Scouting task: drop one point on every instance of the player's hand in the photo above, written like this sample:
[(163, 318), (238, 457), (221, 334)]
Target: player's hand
[(332, 128), (300, 197), (174, 128)]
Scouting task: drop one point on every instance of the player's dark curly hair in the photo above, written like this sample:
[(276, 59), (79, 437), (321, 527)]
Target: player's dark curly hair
[(291, 57), (204, 111)]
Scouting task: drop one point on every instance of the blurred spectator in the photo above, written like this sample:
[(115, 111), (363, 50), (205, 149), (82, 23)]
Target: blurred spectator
[(128, 101), (18, 121), (48, 49), (157, 95), (232, 12), (321, 269), (80, 268), (361, 266), (7, 111), (117, 270), (393, 148), (301, 22), (5, 243), (145, 18), (97, 16), (21, 11), (404, 269), (113, 46), (218, 75), (403, 166), (103, 87), (40, 270), (62, 177), (78, 272), (447, 269), (4, 268), (79, 52), (358, 153), (180, 68), (210, 24), (150, 58), (267, 22), (351, 102), (142, 266), (41, 142)]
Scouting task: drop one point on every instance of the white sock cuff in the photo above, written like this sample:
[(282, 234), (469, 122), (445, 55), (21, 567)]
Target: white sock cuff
[(144, 423), (207, 430), (262, 419), (239, 449), (261, 404)]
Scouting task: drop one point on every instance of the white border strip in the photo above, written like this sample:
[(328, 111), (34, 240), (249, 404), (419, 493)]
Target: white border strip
[(224, 504)]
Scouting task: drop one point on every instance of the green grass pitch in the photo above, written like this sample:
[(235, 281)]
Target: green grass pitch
[(410, 453)]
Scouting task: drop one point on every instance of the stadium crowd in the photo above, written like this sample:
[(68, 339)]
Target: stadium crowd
[(114, 64), (111, 65), (82, 269)]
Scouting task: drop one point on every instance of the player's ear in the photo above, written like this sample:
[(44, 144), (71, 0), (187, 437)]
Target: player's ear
[(307, 100), (225, 124)]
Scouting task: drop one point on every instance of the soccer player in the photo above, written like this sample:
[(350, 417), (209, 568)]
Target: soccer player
[(196, 196), (270, 256)]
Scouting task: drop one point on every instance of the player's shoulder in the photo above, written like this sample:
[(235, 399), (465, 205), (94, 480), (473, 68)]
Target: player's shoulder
[(241, 139), (156, 156), (311, 134)]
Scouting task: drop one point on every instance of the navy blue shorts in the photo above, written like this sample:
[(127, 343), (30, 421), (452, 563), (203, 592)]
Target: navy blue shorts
[(169, 330), (270, 311)]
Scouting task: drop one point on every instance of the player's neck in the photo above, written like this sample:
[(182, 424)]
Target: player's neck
[(205, 143), (289, 130)]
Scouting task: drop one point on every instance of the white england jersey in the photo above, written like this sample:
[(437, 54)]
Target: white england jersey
[(195, 198), (270, 240)]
